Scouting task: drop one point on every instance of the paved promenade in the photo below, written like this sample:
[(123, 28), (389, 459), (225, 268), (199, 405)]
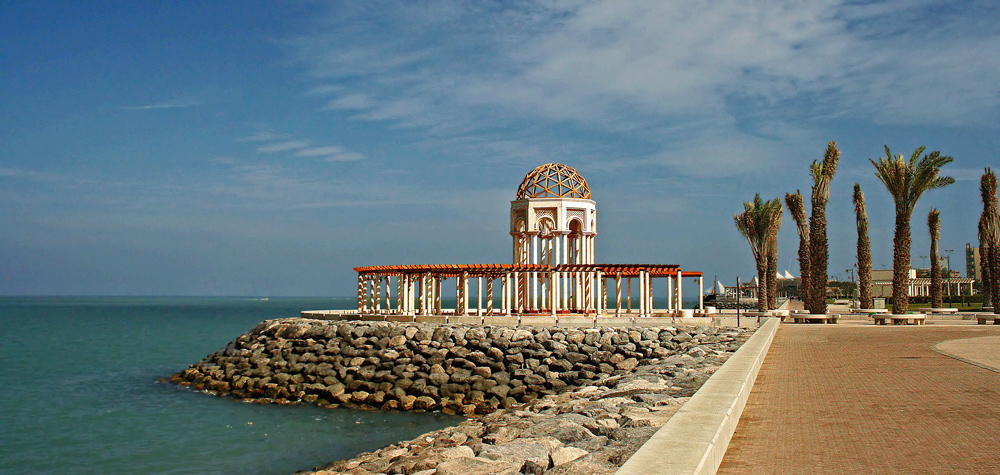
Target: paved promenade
[(859, 398)]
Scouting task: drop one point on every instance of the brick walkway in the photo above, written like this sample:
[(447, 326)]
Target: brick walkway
[(839, 399)]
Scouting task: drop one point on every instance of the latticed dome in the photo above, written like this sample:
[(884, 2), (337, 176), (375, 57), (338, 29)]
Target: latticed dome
[(553, 180)]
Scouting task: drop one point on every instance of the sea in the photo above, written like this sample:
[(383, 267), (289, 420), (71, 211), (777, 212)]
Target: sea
[(82, 391)]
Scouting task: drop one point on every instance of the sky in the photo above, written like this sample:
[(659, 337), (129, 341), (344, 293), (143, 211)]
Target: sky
[(267, 148)]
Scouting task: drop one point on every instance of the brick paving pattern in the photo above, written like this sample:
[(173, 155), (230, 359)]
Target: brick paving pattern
[(846, 399)]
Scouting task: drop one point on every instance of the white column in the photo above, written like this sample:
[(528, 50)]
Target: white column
[(361, 287), (437, 296), (479, 298), (489, 295), (670, 294), (378, 294), (628, 283), (642, 294), (422, 296), (388, 294), (602, 293), (505, 294), (680, 292), (618, 294), (649, 289), (553, 293)]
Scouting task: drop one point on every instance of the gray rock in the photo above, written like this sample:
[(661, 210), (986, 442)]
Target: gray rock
[(565, 431), (477, 466), (563, 455), (518, 452)]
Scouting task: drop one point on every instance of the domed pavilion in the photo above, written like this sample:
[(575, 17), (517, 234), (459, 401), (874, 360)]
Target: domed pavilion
[(553, 223)]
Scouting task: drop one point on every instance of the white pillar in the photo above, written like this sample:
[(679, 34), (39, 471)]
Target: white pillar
[(479, 297), (628, 283), (680, 292), (361, 287), (602, 293), (378, 294), (649, 290), (422, 296), (618, 294), (642, 294), (670, 294), (553, 293), (437, 295)]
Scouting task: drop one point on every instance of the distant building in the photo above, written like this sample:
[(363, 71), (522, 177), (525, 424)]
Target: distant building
[(972, 267), (882, 284)]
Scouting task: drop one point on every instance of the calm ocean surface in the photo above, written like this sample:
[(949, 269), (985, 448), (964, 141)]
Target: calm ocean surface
[(79, 392)]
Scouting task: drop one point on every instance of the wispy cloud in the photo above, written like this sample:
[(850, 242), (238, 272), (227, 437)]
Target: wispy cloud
[(163, 105), (757, 73), (265, 136), (330, 153), (271, 142), (283, 146)]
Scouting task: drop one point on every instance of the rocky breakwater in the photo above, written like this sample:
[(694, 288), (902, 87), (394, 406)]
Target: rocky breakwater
[(589, 430), (457, 369)]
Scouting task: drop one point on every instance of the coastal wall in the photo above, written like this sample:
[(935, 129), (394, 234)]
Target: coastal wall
[(458, 369)]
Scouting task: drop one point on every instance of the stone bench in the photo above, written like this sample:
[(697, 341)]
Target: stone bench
[(982, 319), (813, 318), (896, 319), (939, 310), (869, 311)]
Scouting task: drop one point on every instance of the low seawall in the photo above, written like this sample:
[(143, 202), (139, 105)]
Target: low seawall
[(458, 369)]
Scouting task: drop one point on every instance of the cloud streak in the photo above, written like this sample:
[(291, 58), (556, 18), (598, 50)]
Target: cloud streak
[(163, 105), (759, 73)]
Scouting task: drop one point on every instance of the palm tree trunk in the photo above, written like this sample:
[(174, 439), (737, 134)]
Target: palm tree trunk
[(762, 284), (817, 260), (864, 251), (772, 280), (994, 272), (797, 208), (934, 225), (984, 267), (901, 263)]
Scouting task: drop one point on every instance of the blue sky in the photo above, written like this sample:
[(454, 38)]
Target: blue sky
[(266, 148)]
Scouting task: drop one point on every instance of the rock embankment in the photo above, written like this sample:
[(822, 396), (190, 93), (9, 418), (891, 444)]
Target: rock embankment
[(458, 369), (590, 430)]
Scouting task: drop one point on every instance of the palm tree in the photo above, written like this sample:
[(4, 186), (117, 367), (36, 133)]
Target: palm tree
[(822, 174), (906, 181), (759, 225), (984, 260), (864, 250), (990, 230), (934, 225), (772, 255), (798, 211)]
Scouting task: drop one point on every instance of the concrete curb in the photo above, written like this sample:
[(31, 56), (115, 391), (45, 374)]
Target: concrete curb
[(695, 439)]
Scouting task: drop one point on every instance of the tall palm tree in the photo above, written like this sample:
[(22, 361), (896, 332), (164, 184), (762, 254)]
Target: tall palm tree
[(906, 181), (864, 250), (984, 260), (822, 174), (990, 230), (772, 254), (759, 224), (798, 211), (934, 226)]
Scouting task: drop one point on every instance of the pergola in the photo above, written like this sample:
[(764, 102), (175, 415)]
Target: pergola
[(417, 289)]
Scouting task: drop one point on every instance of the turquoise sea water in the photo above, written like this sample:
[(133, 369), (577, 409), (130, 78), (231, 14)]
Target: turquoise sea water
[(80, 392)]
